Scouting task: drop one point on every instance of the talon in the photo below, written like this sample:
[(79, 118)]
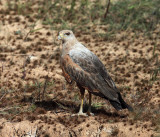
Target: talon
[(90, 114), (79, 114)]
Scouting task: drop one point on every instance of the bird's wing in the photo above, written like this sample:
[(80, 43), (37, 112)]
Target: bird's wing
[(67, 77), (71, 70), (85, 68)]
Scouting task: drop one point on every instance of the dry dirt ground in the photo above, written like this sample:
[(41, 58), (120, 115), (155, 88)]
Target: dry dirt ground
[(35, 99)]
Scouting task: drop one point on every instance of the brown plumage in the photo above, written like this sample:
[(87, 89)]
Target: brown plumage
[(79, 64)]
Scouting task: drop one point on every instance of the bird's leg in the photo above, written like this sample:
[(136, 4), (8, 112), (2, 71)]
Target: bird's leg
[(90, 102), (81, 106), (82, 91)]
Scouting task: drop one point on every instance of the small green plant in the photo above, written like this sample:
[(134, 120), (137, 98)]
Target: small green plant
[(32, 108), (39, 88), (155, 73), (32, 30), (141, 15), (98, 105), (137, 14), (22, 8)]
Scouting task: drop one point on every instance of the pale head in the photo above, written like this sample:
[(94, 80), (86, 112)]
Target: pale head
[(66, 35)]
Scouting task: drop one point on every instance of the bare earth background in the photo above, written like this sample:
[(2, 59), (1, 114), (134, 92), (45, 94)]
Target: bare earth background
[(35, 99)]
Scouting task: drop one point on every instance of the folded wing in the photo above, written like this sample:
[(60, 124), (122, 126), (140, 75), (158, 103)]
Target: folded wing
[(85, 68)]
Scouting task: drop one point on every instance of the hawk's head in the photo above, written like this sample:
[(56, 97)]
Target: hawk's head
[(66, 35)]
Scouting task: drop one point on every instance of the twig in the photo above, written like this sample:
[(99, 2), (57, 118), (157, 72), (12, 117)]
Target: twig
[(107, 9), (2, 66), (31, 133), (8, 108), (61, 106), (72, 131), (73, 3), (45, 86), (31, 31), (24, 70), (8, 54), (2, 96), (23, 77)]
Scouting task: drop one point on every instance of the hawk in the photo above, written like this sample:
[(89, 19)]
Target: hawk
[(81, 65)]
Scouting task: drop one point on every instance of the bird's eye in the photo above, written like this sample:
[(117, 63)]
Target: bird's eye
[(68, 33)]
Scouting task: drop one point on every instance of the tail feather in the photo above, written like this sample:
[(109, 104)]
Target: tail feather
[(121, 105)]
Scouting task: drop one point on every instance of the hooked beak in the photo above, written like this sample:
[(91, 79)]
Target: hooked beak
[(60, 36)]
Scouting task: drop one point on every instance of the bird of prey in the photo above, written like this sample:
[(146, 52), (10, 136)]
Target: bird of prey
[(81, 65)]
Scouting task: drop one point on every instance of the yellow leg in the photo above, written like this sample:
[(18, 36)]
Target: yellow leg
[(82, 91), (80, 113), (81, 106)]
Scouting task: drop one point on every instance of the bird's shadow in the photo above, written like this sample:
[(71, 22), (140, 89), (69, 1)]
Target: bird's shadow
[(69, 106)]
